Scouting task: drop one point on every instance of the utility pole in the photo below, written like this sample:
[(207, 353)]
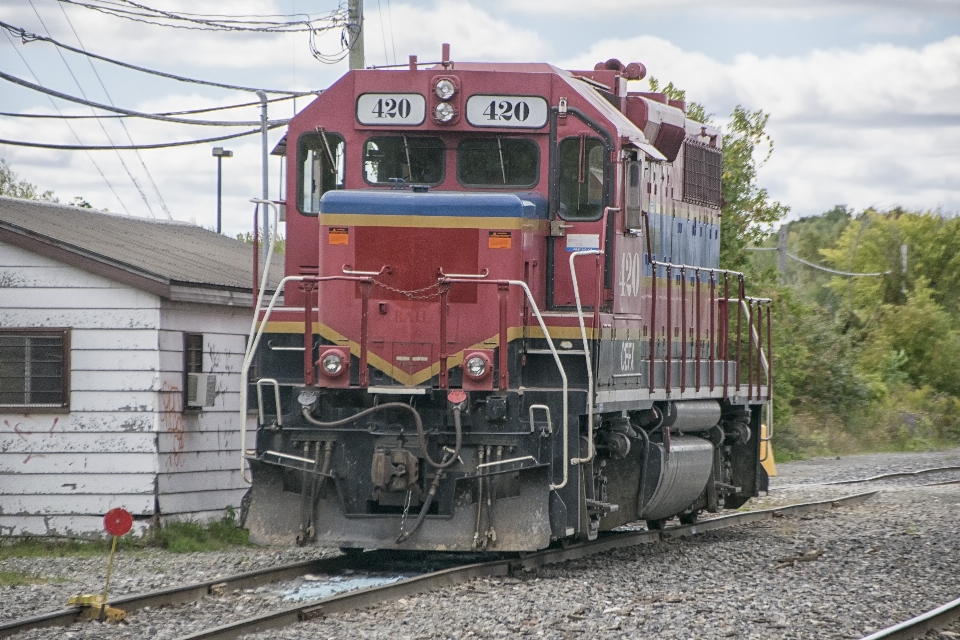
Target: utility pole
[(782, 252), (355, 18)]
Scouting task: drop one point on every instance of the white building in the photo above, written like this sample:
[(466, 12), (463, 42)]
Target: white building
[(103, 321)]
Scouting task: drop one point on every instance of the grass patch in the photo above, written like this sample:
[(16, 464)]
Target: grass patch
[(177, 537), (190, 537), (17, 579)]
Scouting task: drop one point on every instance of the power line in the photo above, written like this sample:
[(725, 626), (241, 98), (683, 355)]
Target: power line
[(213, 22), (89, 155), (834, 271), (129, 112), (163, 205), (26, 36), (159, 145), (123, 163), (10, 114)]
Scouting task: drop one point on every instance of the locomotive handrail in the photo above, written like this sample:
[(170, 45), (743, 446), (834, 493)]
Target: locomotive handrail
[(591, 450), (441, 274), (276, 399), (254, 341), (347, 269), (553, 350)]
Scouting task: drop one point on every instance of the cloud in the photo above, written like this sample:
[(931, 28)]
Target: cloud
[(861, 126)]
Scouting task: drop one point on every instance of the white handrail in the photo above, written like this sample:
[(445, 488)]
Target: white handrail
[(591, 449), (252, 344), (247, 356), (563, 378), (276, 399)]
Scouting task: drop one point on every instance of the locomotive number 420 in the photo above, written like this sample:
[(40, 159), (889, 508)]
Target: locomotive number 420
[(391, 108), (506, 110), (630, 275)]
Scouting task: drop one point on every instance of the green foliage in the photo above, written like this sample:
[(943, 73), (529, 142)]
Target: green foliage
[(189, 537), (11, 186), (748, 213), (279, 245), (17, 579)]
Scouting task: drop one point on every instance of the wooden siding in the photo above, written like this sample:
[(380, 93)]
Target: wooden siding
[(59, 473), (126, 440), (199, 450)]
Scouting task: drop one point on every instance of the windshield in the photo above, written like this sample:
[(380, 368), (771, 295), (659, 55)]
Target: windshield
[(399, 159), (498, 162)]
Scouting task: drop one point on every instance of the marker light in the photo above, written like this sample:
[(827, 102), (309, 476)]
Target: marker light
[(445, 89), (332, 364), (444, 112), (476, 367)]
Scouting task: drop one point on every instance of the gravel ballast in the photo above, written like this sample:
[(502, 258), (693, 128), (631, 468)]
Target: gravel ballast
[(875, 564)]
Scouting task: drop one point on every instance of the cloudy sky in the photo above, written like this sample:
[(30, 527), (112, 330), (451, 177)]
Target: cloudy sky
[(863, 95)]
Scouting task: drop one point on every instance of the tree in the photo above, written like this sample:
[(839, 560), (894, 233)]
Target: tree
[(747, 213), (11, 186)]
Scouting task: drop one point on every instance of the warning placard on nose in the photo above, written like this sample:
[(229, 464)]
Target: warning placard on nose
[(339, 235), (499, 240)]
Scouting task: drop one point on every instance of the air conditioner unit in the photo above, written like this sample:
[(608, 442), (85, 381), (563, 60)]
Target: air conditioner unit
[(201, 389)]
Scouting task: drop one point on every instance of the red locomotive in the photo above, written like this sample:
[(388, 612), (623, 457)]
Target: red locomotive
[(506, 278)]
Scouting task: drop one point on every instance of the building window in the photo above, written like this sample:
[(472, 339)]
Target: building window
[(34, 368), (200, 389)]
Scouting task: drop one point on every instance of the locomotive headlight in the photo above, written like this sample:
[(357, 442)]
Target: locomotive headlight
[(444, 112), (332, 364), (445, 89), (476, 366)]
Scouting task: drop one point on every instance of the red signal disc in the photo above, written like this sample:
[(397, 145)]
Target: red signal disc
[(118, 522)]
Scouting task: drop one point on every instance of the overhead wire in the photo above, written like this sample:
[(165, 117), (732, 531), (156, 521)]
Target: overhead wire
[(75, 135), (10, 114), (159, 145), (123, 124), (130, 112), (143, 196), (26, 36), (393, 42), (383, 33)]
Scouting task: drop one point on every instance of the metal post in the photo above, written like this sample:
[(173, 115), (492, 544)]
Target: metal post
[(265, 180), (782, 253), (220, 153), (355, 19)]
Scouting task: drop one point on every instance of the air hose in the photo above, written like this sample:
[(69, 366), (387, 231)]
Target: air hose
[(421, 434)]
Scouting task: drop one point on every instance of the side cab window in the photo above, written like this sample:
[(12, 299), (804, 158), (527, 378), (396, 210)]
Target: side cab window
[(581, 178), (320, 163)]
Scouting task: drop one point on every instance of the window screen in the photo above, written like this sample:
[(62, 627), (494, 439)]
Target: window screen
[(321, 166), (399, 159), (33, 371), (581, 179), (498, 162)]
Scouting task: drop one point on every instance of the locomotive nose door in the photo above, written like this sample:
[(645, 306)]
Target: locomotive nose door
[(582, 190)]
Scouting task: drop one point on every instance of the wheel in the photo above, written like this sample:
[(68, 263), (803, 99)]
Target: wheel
[(656, 525), (689, 518)]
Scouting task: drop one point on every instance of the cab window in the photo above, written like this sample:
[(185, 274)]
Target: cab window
[(403, 159), (498, 162), (581, 179), (321, 166)]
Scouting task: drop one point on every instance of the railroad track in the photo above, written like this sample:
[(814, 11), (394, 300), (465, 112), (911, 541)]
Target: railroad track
[(919, 626), (444, 570), (904, 475)]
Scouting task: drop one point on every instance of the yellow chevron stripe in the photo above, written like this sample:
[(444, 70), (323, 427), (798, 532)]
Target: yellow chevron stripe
[(412, 380)]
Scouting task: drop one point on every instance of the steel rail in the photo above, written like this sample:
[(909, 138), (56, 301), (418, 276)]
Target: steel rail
[(500, 567), (919, 626), (895, 474), (179, 595), (417, 584)]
